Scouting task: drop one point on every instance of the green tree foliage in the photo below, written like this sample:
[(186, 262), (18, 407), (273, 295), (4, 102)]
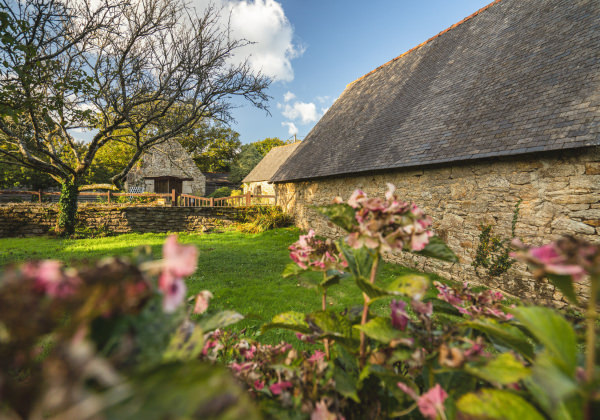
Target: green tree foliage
[(251, 154), (213, 146), (264, 146), (148, 71), (15, 176), (245, 162)]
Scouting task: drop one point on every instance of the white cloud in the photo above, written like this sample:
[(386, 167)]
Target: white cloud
[(288, 96), (323, 99), (324, 110), (264, 23), (292, 129), (305, 112)]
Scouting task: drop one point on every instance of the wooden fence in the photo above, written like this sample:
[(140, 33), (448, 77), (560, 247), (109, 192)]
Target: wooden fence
[(173, 199)]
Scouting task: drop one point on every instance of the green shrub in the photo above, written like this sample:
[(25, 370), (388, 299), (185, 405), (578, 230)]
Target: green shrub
[(266, 218), (493, 252), (221, 192)]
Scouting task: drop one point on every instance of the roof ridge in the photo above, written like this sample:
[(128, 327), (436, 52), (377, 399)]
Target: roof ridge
[(285, 145), (425, 42)]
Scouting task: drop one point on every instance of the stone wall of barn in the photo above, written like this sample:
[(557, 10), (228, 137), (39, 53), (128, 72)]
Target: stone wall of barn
[(560, 195), (33, 219)]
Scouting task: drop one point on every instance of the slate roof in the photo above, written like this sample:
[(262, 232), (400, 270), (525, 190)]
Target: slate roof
[(272, 161), (515, 77)]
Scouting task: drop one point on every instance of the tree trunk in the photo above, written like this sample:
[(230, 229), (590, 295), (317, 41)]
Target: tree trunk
[(67, 208)]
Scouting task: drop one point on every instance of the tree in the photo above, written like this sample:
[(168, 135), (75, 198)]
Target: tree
[(264, 146), (141, 72), (246, 161), (251, 154), (16, 176), (213, 146)]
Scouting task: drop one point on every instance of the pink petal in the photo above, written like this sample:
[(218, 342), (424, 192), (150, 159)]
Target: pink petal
[(202, 300), (279, 387), (181, 260), (431, 404)]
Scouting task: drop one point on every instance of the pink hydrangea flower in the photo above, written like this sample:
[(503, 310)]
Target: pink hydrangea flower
[(566, 257), (388, 224), (318, 355), (178, 261), (312, 253), (399, 316), (258, 384), (431, 404), (422, 308), (202, 300), (278, 387), (50, 279), (473, 304)]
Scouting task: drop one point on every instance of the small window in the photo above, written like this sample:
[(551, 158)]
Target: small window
[(258, 190)]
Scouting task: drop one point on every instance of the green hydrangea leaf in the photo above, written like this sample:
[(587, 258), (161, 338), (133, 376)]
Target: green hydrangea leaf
[(380, 329), (340, 214), (504, 369), (553, 332), (493, 404), (291, 320), (504, 334), (437, 248)]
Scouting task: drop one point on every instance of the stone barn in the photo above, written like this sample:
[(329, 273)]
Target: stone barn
[(502, 106), (258, 181), (166, 167)]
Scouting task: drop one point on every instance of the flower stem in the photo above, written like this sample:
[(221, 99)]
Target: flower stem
[(324, 306), (363, 320), (590, 335), (590, 353)]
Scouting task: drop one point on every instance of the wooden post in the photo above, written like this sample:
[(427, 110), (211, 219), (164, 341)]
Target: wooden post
[(108, 195), (212, 201), (173, 198), (40, 196), (248, 198)]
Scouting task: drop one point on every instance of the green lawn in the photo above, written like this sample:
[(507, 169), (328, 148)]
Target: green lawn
[(243, 271)]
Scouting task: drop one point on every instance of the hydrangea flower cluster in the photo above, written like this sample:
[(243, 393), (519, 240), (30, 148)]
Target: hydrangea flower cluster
[(431, 403), (50, 278), (473, 304), (179, 261), (316, 254), (566, 257), (388, 224), (275, 371)]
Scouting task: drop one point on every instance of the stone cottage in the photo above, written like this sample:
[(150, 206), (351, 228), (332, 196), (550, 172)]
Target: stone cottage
[(258, 180), (166, 167), (502, 106)]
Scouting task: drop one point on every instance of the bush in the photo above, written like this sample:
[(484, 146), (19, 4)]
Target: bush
[(460, 355), (221, 192), (111, 340), (266, 218)]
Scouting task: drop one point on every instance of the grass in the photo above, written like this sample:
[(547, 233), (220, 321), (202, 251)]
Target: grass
[(242, 270)]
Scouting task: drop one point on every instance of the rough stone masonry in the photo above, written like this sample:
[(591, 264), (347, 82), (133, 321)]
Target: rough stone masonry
[(560, 193), (33, 219)]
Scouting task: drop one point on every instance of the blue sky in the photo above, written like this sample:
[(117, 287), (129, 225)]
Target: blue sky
[(314, 48)]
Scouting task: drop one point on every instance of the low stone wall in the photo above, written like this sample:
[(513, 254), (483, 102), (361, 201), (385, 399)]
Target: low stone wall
[(32, 219), (560, 193)]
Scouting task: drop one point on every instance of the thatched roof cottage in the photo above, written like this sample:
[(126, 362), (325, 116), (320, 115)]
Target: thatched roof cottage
[(166, 167)]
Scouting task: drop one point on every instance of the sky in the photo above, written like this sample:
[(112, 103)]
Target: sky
[(312, 49)]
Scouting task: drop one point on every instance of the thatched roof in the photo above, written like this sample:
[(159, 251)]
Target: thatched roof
[(267, 167), (515, 77)]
